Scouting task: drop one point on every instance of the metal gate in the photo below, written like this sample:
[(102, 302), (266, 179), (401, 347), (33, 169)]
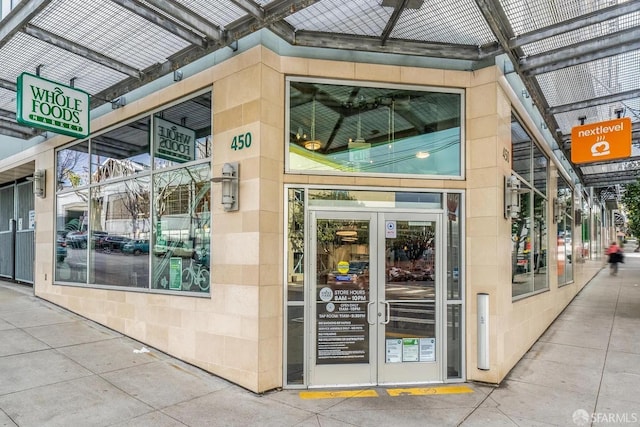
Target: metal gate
[(17, 232)]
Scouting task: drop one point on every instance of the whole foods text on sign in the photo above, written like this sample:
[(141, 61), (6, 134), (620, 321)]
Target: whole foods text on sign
[(597, 142), (174, 142), (52, 106)]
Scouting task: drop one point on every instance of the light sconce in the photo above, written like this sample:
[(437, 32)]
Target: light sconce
[(39, 180), (229, 183), (511, 196), (559, 206)]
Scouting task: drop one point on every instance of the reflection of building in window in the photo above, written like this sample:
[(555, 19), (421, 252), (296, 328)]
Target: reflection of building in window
[(116, 207), (114, 168), (177, 200)]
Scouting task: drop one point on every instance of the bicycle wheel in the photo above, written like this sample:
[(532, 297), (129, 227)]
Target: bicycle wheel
[(204, 280), (187, 279)]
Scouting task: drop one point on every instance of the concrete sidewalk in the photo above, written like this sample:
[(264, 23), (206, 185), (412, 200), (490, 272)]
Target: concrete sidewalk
[(58, 369)]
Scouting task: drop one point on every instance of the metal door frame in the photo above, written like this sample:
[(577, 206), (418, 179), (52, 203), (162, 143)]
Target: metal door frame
[(377, 360)]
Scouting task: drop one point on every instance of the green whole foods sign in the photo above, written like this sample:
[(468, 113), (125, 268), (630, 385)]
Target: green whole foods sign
[(52, 106), (174, 142)]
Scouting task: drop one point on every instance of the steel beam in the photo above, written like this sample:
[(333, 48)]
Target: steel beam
[(372, 44), (274, 12), (8, 114), (8, 85), (19, 17), (608, 99), (580, 53), (188, 17), (393, 20), (80, 50), (251, 8), (592, 18), (162, 21), (13, 133), (15, 127)]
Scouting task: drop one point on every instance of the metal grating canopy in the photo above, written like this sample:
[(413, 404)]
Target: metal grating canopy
[(578, 59)]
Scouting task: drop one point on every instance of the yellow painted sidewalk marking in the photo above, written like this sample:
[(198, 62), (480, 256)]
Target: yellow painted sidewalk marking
[(337, 394), (422, 391), (393, 392)]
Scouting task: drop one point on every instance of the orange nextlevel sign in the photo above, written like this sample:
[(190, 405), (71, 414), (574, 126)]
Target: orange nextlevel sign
[(597, 142)]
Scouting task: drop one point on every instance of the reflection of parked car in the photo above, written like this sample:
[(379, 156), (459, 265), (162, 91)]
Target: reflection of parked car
[(97, 238), (77, 239), (172, 248), (136, 247), (61, 249), (114, 243)]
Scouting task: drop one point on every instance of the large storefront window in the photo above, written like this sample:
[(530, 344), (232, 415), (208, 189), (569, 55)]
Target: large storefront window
[(529, 273), (133, 203), (341, 128), (181, 228)]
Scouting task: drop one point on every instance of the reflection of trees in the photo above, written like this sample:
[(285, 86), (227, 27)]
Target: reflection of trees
[(517, 226), (136, 201), (166, 184), (183, 192), (66, 168)]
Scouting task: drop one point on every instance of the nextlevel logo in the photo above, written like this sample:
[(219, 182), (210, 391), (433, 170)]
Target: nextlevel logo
[(597, 142), (52, 106)]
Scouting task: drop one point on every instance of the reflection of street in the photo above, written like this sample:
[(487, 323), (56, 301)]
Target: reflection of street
[(114, 268), (412, 309), (423, 290)]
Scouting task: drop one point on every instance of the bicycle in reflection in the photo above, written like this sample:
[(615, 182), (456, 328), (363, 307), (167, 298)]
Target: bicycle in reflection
[(195, 274)]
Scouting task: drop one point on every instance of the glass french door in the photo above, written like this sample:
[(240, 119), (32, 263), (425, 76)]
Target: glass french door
[(376, 298)]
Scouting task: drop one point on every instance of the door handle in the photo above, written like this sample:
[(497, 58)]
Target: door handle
[(369, 312), (387, 313)]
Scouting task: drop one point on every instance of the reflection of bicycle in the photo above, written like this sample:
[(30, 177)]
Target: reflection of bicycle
[(195, 275)]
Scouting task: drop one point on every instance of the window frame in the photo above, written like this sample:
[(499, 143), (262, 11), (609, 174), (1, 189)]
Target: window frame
[(375, 85), (147, 174)]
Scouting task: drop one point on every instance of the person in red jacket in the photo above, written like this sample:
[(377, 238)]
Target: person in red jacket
[(615, 256)]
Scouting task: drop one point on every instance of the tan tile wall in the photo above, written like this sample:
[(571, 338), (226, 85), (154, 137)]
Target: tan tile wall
[(237, 332), (514, 325)]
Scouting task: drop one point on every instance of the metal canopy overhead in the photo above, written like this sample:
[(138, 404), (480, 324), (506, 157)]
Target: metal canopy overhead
[(578, 59)]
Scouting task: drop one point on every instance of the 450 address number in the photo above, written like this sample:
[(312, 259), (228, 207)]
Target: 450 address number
[(241, 141)]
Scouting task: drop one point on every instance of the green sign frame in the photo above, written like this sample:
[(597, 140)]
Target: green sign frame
[(49, 105)]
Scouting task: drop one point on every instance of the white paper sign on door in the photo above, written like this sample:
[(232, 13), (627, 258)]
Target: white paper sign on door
[(394, 350), (427, 349), (390, 229)]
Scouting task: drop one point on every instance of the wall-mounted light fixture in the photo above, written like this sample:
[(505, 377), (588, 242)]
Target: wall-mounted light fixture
[(229, 188), (511, 196), (559, 206), (39, 181)]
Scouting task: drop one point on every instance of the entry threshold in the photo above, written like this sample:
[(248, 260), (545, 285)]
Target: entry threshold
[(392, 392)]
